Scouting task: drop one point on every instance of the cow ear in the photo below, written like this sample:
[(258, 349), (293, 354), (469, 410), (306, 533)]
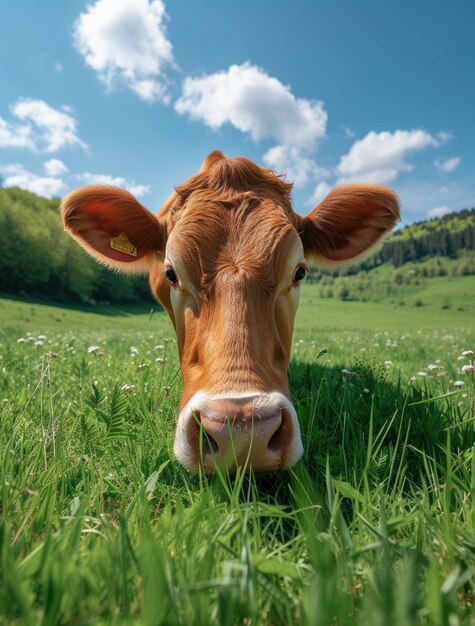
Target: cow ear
[(348, 224), (113, 227)]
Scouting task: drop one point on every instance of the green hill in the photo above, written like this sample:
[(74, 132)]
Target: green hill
[(445, 236), (402, 270)]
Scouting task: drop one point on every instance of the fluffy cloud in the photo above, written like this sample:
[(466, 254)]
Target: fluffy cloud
[(255, 103), (118, 181), (439, 211), (448, 166), (14, 136), (380, 157), (44, 128), (321, 191), (298, 167), (125, 41), (55, 167), (15, 175)]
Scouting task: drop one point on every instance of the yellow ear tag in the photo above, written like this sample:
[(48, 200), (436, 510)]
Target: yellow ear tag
[(122, 244)]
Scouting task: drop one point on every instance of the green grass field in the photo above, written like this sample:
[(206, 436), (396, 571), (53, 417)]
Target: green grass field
[(375, 526)]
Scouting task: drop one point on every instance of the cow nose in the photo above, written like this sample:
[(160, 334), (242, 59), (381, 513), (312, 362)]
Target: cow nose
[(240, 432)]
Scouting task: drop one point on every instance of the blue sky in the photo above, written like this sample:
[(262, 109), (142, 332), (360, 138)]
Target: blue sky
[(137, 92)]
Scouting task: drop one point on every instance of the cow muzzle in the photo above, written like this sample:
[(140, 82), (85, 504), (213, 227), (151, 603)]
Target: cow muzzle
[(251, 430)]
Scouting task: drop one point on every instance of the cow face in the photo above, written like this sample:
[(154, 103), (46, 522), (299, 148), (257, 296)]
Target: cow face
[(226, 255)]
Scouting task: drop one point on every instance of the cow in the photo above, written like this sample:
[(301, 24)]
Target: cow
[(226, 254)]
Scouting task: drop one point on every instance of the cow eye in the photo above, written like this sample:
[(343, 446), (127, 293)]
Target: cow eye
[(299, 274), (171, 275)]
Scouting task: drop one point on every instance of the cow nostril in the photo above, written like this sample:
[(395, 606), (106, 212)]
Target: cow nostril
[(277, 441), (199, 437), (208, 445)]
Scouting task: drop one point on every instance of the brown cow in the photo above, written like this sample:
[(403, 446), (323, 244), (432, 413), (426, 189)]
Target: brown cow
[(226, 254)]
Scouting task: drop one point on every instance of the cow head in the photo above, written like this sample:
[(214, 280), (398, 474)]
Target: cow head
[(226, 255)]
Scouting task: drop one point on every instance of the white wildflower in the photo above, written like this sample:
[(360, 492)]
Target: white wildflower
[(129, 390), (421, 373), (347, 374), (134, 351), (468, 353), (39, 343), (468, 369), (458, 383), (432, 366), (21, 340), (93, 349), (161, 361)]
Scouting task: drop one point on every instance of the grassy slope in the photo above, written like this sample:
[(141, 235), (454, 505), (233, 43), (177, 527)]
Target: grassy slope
[(387, 314), (100, 525), (314, 312)]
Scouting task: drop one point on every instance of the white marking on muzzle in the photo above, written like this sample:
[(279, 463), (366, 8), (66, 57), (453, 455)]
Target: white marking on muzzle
[(185, 453)]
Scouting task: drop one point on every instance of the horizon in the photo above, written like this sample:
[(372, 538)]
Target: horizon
[(132, 93)]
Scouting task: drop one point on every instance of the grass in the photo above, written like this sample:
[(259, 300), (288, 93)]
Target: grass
[(100, 525)]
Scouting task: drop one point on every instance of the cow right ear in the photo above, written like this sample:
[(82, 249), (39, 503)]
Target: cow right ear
[(113, 227)]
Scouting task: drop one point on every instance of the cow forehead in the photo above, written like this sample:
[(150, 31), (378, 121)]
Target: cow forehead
[(247, 232)]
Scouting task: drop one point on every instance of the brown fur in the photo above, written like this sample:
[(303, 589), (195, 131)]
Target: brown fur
[(236, 242)]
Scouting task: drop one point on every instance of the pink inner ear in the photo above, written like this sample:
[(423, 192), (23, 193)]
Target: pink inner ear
[(356, 243)]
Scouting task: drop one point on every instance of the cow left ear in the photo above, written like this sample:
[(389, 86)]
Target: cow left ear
[(348, 224), (113, 227)]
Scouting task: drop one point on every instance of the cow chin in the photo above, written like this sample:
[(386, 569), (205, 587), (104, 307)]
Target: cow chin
[(250, 430)]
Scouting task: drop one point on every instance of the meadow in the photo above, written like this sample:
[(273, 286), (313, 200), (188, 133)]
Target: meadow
[(375, 526)]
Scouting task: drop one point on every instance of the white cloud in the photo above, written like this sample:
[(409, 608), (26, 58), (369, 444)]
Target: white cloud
[(450, 165), (321, 191), (55, 167), (52, 129), (380, 157), (15, 175), (125, 41), (439, 211), (118, 181), (255, 103), (261, 106), (12, 136), (298, 167)]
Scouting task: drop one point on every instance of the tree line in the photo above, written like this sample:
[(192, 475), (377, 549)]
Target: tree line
[(38, 258), (451, 236), (445, 240)]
